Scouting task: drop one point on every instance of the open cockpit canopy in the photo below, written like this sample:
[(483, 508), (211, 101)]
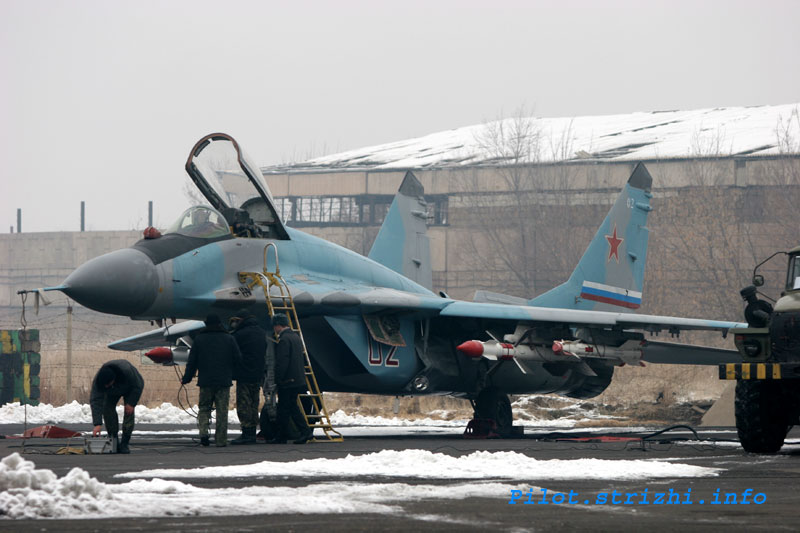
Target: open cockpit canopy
[(234, 185)]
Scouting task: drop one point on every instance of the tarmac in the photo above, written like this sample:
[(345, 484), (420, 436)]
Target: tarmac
[(776, 477)]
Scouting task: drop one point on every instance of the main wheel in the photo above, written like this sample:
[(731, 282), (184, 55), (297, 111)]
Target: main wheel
[(762, 415), (494, 404)]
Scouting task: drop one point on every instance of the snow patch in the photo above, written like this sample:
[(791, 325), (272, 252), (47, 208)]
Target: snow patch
[(31, 493), (77, 413), (340, 418), (426, 464), (26, 492), (166, 413)]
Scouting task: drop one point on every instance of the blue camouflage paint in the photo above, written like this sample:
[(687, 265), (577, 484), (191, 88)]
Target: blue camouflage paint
[(388, 247), (195, 275), (392, 366), (629, 217)]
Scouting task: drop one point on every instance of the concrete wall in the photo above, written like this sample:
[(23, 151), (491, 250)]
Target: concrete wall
[(740, 172), (31, 260)]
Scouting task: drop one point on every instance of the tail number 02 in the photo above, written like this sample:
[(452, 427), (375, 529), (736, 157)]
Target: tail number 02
[(376, 357)]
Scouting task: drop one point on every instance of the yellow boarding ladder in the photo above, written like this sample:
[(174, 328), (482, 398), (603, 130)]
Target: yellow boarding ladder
[(267, 279)]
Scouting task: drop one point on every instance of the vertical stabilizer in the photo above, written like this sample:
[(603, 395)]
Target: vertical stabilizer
[(402, 243), (610, 275)]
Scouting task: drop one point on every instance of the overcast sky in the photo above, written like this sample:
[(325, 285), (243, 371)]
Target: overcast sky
[(102, 100)]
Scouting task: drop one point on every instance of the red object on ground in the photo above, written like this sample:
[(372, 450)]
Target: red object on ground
[(160, 355), (151, 233), (50, 432)]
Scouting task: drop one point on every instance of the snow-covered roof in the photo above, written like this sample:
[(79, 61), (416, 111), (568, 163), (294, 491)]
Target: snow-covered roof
[(722, 131)]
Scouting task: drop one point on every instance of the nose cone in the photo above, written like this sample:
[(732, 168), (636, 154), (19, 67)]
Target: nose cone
[(124, 282), (471, 348)]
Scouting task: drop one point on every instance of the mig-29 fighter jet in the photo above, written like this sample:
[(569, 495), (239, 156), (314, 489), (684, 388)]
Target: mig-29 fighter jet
[(373, 324)]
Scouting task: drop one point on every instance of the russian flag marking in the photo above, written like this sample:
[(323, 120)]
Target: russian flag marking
[(611, 295)]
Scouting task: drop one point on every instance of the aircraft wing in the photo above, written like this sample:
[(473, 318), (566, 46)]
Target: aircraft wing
[(388, 300), (630, 351), (687, 354), (577, 318), (158, 337)]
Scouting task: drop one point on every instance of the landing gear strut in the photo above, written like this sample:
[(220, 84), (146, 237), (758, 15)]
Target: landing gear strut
[(493, 404)]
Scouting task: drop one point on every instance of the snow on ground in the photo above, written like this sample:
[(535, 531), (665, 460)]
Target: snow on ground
[(340, 418), (426, 464), (558, 411), (166, 413), (77, 413), (26, 492)]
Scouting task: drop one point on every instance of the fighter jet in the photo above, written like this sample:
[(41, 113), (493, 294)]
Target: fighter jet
[(373, 324)]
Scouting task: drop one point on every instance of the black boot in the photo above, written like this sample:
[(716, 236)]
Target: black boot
[(122, 447), (305, 437), (248, 437)]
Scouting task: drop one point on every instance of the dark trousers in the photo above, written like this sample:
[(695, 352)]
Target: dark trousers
[(112, 421), (289, 411)]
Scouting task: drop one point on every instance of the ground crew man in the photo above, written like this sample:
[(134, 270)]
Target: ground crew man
[(116, 379), (291, 381), (213, 356), (252, 342)]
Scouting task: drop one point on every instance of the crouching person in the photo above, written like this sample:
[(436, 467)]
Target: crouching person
[(213, 357), (116, 379)]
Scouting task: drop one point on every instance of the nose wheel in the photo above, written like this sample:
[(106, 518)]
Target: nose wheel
[(492, 403)]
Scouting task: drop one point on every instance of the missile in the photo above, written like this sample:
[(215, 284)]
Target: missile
[(505, 351), (560, 351), (491, 349), (164, 355), (630, 351)]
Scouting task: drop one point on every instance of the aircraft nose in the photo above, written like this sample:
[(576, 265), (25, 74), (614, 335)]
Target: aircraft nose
[(124, 282)]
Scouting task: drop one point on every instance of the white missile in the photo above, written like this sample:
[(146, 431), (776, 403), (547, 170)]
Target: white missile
[(502, 350), (561, 351), (629, 352)]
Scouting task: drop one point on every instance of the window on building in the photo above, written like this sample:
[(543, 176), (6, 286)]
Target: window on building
[(365, 210)]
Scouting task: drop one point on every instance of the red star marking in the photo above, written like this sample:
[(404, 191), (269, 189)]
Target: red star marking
[(613, 245)]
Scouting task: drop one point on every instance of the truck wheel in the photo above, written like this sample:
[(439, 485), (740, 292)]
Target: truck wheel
[(761, 416), (494, 404)]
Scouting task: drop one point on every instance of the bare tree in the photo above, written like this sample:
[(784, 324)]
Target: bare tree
[(514, 204), (710, 235)]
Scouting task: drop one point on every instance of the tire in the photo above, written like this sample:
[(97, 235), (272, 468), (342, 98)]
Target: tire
[(762, 415), (494, 404)]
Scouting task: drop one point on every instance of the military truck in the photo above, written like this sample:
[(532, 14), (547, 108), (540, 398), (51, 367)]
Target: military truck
[(768, 381)]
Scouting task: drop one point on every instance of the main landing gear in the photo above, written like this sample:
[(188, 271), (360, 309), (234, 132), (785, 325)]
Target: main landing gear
[(493, 405)]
